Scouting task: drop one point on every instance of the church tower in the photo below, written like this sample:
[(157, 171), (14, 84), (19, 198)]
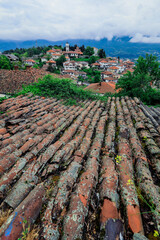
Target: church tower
[(67, 47)]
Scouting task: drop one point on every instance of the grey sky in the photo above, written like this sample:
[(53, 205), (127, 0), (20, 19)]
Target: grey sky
[(93, 19)]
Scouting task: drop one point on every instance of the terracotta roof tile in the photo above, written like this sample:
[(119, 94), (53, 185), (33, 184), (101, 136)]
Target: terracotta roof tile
[(103, 88), (73, 163)]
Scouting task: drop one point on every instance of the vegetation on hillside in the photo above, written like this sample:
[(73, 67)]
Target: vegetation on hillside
[(61, 89), (5, 63), (140, 82), (29, 52)]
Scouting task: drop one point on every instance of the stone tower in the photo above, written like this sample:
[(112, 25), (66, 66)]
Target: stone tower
[(67, 47)]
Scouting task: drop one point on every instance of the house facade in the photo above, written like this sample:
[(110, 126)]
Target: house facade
[(30, 62)]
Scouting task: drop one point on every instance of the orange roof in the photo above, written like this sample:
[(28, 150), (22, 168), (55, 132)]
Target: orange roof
[(51, 51), (51, 61), (56, 54), (95, 64), (107, 73), (128, 70), (102, 88), (113, 83), (103, 61), (129, 62), (114, 68), (30, 60)]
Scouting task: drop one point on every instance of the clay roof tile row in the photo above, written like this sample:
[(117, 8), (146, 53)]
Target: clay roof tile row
[(72, 163)]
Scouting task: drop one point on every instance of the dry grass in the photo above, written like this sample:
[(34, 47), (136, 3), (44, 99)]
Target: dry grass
[(34, 234), (4, 216)]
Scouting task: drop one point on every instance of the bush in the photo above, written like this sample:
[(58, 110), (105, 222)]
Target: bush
[(61, 89), (138, 84)]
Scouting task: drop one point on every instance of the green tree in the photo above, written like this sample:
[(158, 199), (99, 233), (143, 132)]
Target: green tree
[(101, 53), (60, 61), (36, 66), (92, 59), (97, 78), (89, 51), (149, 66), (80, 79), (5, 63), (139, 83), (82, 48)]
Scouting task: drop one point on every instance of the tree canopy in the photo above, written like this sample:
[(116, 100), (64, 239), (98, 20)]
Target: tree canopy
[(60, 61), (89, 51), (101, 53), (139, 83), (5, 63)]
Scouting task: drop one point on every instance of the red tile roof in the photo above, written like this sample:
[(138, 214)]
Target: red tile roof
[(95, 64), (30, 60), (101, 88), (114, 68), (103, 61), (56, 159), (128, 70), (51, 61), (51, 51), (56, 54), (107, 73), (12, 81)]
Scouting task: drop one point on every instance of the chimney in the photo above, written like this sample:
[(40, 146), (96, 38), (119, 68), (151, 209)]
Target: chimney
[(16, 67)]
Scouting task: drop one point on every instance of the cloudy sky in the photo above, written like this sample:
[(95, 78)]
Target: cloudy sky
[(87, 19)]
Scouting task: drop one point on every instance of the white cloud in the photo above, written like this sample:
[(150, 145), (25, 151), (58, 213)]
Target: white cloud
[(145, 39), (62, 19)]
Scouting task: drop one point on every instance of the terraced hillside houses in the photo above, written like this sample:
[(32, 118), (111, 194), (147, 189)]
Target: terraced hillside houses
[(89, 171), (115, 67)]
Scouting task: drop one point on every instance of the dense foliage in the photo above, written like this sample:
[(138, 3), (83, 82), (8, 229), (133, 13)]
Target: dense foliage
[(60, 61), (5, 63), (140, 82), (101, 53), (89, 51), (61, 89), (29, 52), (93, 75)]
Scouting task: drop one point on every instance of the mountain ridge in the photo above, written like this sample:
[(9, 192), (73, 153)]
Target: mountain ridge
[(118, 46)]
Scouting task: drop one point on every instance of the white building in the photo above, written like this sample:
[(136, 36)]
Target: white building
[(70, 65), (30, 62)]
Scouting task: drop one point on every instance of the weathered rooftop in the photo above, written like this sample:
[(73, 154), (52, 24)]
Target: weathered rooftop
[(11, 81), (79, 172)]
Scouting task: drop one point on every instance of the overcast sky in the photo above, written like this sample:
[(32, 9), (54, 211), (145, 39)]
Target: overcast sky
[(89, 19)]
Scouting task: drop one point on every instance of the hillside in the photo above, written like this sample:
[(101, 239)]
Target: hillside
[(121, 47), (74, 172)]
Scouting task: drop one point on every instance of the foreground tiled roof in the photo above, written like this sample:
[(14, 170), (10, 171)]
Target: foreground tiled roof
[(78, 172)]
